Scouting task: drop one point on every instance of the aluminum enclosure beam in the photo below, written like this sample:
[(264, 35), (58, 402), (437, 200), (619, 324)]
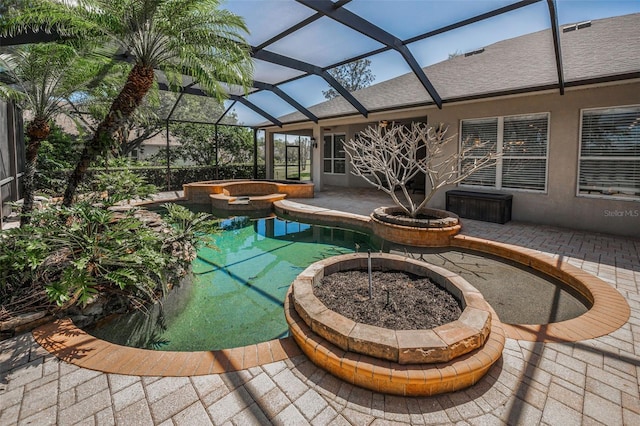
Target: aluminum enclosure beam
[(286, 61), (198, 92), (355, 22), (286, 98), (556, 43), (224, 114), (473, 20), (255, 108)]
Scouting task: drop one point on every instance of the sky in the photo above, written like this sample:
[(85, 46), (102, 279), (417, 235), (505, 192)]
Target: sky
[(325, 42)]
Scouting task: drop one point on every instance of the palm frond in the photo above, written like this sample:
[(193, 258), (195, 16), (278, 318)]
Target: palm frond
[(45, 75), (192, 35)]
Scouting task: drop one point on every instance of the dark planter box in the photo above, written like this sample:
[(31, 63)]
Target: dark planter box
[(485, 206)]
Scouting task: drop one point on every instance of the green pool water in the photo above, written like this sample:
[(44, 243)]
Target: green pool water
[(237, 292)]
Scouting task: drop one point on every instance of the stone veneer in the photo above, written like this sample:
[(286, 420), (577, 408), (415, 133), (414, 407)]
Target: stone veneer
[(440, 344), (432, 233), (201, 192), (389, 377)]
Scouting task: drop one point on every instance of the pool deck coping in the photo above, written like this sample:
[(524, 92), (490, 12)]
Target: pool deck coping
[(71, 344), (586, 382)]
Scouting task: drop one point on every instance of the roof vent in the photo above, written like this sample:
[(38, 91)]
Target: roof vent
[(578, 26), (585, 24), (474, 52)]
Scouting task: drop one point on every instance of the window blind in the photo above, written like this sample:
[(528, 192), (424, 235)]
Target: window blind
[(610, 152), (523, 141), (479, 136), (524, 150)]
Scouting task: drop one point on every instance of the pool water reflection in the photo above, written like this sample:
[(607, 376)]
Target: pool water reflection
[(238, 289)]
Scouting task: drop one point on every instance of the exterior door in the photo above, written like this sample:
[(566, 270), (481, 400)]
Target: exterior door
[(292, 162)]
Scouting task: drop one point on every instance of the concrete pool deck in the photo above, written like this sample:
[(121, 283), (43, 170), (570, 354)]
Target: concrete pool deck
[(588, 381)]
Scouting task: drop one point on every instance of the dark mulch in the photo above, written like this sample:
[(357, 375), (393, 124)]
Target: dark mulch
[(400, 301)]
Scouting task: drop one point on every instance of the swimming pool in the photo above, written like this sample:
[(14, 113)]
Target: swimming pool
[(237, 293)]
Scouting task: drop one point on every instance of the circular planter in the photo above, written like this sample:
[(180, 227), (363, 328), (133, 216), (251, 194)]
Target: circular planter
[(470, 344), (387, 223)]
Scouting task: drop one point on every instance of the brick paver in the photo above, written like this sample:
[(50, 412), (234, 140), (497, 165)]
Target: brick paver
[(592, 381)]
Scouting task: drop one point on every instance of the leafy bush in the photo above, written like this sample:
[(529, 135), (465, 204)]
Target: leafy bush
[(69, 255), (120, 185), (58, 152), (158, 175)]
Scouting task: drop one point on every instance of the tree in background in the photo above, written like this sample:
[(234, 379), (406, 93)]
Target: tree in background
[(197, 143), (353, 76), (43, 76), (144, 123), (174, 36), (194, 128), (8, 6), (305, 151)]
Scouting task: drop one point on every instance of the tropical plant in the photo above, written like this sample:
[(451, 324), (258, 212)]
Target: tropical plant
[(189, 230), (66, 256), (177, 37), (392, 157), (144, 123), (122, 185), (11, 5), (42, 77), (57, 153)]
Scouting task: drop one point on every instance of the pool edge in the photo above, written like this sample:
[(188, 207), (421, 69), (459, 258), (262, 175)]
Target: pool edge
[(63, 339)]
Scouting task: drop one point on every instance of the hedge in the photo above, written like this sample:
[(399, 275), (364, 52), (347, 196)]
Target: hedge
[(54, 183)]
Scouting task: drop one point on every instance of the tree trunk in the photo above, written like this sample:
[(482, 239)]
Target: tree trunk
[(37, 131), (138, 83), (128, 145)]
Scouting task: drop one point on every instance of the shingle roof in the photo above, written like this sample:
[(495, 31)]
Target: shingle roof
[(609, 47)]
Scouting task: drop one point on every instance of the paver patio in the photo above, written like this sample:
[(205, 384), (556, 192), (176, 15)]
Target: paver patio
[(592, 381)]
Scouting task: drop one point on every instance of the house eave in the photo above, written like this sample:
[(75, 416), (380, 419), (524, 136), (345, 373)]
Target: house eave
[(627, 78)]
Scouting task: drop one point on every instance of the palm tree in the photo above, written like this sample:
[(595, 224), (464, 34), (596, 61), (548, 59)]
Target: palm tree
[(40, 78), (178, 37)]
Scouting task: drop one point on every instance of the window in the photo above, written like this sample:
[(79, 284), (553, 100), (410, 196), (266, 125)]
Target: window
[(334, 154), (522, 140), (610, 153)]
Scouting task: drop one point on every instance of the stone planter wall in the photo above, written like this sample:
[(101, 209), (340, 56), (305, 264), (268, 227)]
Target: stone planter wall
[(330, 339), (440, 344), (413, 232)]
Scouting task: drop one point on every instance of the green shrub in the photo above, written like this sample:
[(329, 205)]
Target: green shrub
[(157, 175), (69, 255), (59, 151), (119, 185)]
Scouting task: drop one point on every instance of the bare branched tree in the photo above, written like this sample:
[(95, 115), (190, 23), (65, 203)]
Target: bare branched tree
[(390, 158)]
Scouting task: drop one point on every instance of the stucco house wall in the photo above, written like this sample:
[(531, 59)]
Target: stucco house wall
[(600, 68), (559, 205)]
